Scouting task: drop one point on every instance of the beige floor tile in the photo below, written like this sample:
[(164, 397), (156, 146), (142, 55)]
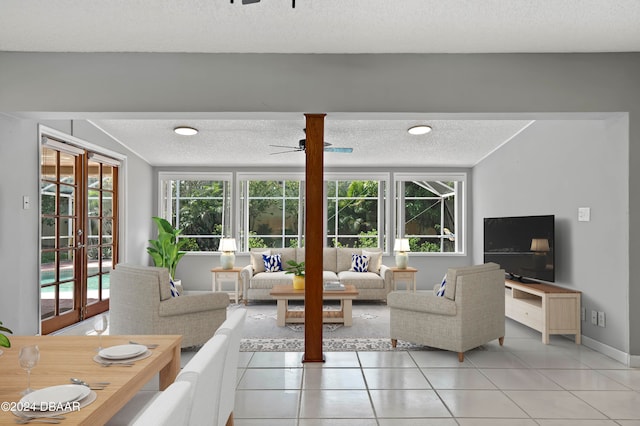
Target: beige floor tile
[(553, 405), (341, 404), (408, 403), (615, 404), (457, 378), (266, 404), (480, 403), (583, 380), (395, 378), (333, 378), (515, 378), (271, 378)]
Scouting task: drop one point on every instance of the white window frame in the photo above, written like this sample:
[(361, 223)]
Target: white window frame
[(384, 207), (459, 209), (165, 211), (242, 200)]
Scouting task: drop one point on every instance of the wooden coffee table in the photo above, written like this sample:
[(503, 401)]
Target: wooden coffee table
[(284, 293)]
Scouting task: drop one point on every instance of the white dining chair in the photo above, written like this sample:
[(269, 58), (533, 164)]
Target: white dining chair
[(204, 372), (232, 327), (170, 408)]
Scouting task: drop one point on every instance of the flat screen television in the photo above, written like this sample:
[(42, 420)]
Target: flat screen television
[(524, 246)]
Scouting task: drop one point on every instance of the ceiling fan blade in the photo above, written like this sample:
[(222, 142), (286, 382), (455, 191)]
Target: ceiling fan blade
[(338, 149), (285, 146), (285, 152)]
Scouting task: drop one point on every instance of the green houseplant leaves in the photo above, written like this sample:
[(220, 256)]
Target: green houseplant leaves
[(166, 250), (295, 268), (4, 340)]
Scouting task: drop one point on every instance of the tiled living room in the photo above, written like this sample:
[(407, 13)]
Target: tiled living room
[(530, 108)]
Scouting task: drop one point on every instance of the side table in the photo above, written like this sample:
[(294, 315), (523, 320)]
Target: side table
[(406, 275), (232, 275)]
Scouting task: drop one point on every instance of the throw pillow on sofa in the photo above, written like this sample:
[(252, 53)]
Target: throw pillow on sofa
[(272, 263), (359, 263), (443, 286), (173, 288), (375, 260)]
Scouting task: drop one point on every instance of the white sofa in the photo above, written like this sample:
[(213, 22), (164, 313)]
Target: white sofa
[(374, 284)]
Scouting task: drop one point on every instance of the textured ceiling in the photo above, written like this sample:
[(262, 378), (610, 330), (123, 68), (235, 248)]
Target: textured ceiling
[(456, 143), (320, 26)]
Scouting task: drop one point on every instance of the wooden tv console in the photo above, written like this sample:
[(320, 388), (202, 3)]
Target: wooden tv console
[(544, 307)]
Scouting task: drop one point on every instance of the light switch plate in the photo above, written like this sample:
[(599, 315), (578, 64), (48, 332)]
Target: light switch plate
[(584, 214)]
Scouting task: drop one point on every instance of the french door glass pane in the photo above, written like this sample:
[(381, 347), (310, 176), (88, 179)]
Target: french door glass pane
[(67, 168), (107, 176)]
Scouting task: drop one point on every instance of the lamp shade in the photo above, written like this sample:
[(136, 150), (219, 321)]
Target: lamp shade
[(539, 244), (401, 244), (227, 244)]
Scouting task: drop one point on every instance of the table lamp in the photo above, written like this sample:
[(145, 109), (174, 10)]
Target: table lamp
[(401, 248), (227, 247)]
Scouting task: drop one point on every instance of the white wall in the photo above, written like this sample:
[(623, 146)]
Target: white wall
[(19, 244), (554, 167)]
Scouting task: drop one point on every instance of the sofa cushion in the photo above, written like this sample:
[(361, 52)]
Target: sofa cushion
[(361, 279), (328, 276), (272, 262), (375, 260), (344, 258), (269, 279), (359, 263), (286, 254), (256, 260), (454, 273), (329, 259)]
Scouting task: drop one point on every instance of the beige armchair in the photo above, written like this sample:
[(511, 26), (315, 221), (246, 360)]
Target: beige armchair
[(141, 303), (470, 314)]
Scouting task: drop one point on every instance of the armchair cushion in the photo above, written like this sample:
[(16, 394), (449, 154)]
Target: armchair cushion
[(422, 301), (191, 303)]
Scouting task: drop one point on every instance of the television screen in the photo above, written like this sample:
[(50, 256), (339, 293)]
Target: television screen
[(523, 246)]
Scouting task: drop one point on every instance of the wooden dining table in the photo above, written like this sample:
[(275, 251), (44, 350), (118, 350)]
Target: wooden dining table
[(64, 357)]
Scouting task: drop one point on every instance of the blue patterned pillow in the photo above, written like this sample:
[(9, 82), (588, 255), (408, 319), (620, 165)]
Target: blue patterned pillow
[(272, 263), (359, 263), (173, 288), (443, 285)]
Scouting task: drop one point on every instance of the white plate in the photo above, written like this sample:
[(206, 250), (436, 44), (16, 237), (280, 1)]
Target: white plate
[(122, 351), (60, 394)]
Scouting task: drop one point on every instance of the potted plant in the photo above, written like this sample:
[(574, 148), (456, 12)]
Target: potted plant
[(297, 269), (165, 251), (4, 340)]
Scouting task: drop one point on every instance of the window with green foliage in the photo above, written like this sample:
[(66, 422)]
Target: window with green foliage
[(272, 213), (355, 213), (429, 212), (200, 206)]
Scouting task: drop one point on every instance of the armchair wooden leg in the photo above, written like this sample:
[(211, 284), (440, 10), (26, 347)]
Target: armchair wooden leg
[(394, 342), (501, 340), (461, 356)]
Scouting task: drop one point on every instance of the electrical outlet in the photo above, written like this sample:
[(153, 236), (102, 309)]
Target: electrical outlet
[(583, 313), (601, 319), (594, 317)]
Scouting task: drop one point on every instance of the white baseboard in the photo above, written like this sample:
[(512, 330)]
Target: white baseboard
[(618, 355)]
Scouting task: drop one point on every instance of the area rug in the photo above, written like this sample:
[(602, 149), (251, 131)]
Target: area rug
[(328, 345), (369, 332)]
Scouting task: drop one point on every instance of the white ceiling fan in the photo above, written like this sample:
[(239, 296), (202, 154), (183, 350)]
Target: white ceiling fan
[(302, 143)]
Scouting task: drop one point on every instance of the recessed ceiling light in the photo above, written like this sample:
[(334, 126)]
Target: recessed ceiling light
[(186, 131), (419, 130)]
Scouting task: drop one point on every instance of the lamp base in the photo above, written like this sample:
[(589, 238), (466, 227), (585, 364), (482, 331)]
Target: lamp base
[(402, 260), (227, 260)]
